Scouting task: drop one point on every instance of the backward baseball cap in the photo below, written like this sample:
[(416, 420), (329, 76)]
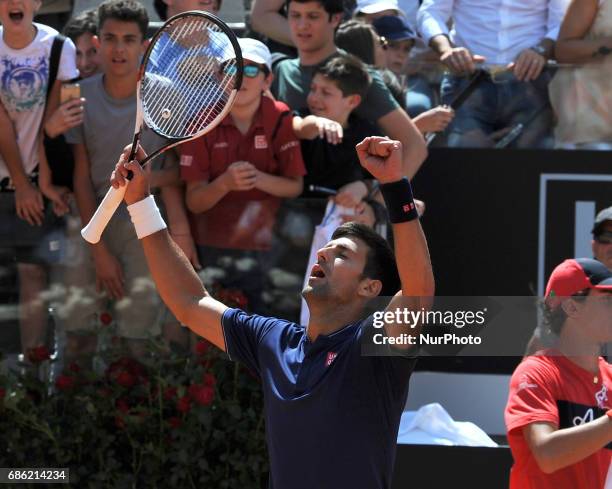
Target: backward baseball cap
[(573, 276)]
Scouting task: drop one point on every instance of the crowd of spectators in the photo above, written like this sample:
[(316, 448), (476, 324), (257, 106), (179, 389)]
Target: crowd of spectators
[(322, 76), (343, 72)]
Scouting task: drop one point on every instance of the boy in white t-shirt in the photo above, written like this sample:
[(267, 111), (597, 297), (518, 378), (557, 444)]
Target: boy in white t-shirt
[(25, 49)]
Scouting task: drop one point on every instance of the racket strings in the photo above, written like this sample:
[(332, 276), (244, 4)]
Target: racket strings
[(185, 86)]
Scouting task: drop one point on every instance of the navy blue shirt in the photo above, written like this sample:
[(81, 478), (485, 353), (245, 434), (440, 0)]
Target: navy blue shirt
[(332, 415)]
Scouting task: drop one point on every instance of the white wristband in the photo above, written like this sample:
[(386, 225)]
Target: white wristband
[(146, 217)]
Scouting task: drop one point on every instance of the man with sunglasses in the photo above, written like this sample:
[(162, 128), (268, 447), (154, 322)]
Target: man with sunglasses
[(237, 175), (602, 237)]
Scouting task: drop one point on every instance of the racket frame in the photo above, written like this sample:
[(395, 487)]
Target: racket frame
[(92, 232)]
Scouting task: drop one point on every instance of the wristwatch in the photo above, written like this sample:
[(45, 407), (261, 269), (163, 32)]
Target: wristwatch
[(541, 50)]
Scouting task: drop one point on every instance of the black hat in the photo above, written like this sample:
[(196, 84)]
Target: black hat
[(393, 28), (602, 217)]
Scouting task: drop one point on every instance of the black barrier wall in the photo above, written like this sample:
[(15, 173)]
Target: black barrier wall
[(498, 222)]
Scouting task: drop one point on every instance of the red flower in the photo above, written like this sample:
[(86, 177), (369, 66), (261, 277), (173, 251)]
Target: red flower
[(106, 318), (170, 393), (202, 347), (209, 380), (184, 405), (126, 372), (125, 379), (201, 394), (175, 422), (122, 405), (38, 354), (74, 367), (64, 382)]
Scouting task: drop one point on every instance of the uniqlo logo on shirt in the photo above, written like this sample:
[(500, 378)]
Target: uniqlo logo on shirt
[(331, 356), (260, 142), (186, 160)]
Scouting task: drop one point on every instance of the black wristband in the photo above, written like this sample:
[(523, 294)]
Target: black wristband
[(399, 201)]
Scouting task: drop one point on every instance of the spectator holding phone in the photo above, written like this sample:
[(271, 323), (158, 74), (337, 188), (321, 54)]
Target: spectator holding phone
[(25, 177), (80, 30)]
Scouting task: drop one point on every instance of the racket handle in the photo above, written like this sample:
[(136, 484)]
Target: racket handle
[(98, 222)]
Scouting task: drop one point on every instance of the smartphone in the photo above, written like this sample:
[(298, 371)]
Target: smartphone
[(69, 91)]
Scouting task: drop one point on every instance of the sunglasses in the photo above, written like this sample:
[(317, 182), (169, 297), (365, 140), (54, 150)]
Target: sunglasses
[(384, 43), (604, 238), (250, 71)]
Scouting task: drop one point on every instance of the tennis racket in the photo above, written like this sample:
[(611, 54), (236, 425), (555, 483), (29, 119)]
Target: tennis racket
[(189, 77)]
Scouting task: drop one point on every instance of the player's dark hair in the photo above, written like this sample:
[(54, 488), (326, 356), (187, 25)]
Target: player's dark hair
[(348, 73), (125, 11), (331, 6), (380, 260), (357, 37), (554, 319), (85, 22)]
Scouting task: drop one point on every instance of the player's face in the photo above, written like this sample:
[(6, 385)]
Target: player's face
[(252, 86), (311, 27), (87, 59), (602, 247), (180, 6), (396, 55), (337, 274), (121, 46), (325, 99), (17, 15)]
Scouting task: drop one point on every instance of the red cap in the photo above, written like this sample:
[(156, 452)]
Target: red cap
[(575, 275)]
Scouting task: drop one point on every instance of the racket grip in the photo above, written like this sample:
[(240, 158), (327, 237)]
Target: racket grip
[(98, 222)]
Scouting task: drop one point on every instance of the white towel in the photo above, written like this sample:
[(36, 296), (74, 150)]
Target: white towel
[(432, 425)]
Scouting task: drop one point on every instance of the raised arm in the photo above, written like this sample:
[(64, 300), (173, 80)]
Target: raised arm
[(383, 159), (177, 283), (398, 125)]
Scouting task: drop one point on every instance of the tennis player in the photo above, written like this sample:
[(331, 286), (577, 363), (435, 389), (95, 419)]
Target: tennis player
[(332, 415)]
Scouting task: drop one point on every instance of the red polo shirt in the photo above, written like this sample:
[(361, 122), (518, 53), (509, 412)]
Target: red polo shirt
[(549, 387), (242, 220)]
